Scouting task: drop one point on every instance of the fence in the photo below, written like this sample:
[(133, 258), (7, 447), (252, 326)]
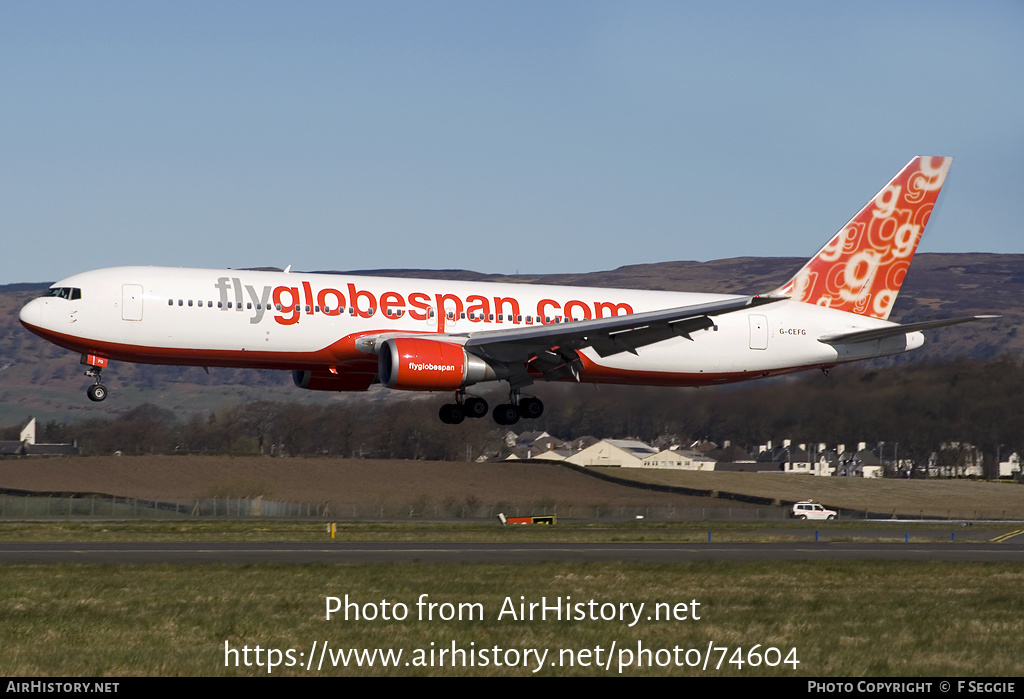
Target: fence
[(14, 507)]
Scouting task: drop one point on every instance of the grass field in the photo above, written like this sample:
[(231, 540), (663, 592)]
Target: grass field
[(944, 498), (834, 618), (842, 619), (427, 485)]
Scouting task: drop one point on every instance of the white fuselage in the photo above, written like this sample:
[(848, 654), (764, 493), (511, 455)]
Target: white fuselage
[(304, 321)]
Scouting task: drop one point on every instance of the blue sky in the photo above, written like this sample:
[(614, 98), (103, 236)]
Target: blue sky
[(536, 137)]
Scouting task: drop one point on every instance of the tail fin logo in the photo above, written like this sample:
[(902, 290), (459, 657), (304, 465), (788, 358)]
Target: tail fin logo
[(862, 268)]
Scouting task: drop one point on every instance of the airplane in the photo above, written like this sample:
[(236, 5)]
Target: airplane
[(338, 332)]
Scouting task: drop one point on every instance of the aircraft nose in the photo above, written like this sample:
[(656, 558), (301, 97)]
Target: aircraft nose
[(32, 313)]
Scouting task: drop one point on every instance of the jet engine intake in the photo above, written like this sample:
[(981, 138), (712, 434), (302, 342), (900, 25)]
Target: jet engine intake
[(414, 364)]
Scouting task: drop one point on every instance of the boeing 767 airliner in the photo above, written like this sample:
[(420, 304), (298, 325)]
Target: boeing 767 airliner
[(344, 333)]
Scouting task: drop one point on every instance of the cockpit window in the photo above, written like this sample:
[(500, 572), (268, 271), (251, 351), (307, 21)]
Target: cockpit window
[(64, 292)]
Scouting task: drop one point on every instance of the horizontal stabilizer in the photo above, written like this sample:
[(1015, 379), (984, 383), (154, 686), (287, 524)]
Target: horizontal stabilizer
[(894, 330)]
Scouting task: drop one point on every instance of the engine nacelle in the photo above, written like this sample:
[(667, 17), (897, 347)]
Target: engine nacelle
[(326, 381), (414, 364)]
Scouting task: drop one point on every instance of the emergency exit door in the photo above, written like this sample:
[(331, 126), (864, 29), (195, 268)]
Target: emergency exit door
[(758, 331)]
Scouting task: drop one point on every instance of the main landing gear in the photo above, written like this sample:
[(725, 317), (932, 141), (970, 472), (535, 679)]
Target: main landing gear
[(463, 407), (504, 414), (509, 413), (97, 391)]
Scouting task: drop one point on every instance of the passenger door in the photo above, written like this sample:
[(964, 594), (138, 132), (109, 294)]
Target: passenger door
[(131, 302)]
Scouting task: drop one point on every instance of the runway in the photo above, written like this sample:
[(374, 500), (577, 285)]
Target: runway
[(348, 552)]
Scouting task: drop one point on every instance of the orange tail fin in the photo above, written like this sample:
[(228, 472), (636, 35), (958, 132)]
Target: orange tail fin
[(862, 268)]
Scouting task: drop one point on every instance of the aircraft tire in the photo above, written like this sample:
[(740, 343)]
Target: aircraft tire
[(531, 408), (96, 392), (475, 407), (506, 414), (451, 413)]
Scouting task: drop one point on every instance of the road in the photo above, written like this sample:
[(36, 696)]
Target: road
[(349, 552)]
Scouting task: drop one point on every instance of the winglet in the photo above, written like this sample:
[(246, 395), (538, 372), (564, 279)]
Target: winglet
[(862, 268)]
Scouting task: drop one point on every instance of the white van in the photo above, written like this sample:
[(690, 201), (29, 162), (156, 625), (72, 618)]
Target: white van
[(807, 509)]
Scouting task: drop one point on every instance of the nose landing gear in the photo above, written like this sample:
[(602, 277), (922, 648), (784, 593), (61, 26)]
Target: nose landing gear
[(97, 391)]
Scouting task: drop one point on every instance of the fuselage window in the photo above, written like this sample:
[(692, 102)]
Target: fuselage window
[(180, 302), (170, 302)]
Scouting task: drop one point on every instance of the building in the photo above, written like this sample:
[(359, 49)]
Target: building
[(674, 457), (627, 453), (26, 445)]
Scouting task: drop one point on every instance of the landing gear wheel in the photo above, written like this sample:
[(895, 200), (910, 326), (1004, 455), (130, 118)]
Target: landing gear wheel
[(475, 407), (96, 392), (451, 413), (506, 414), (531, 408)]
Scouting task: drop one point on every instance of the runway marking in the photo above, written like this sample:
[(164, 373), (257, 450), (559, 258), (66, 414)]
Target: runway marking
[(1003, 537)]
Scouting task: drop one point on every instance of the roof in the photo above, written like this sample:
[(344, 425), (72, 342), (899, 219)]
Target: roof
[(633, 447)]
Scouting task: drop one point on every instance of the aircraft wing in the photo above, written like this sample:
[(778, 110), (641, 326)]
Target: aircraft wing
[(549, 348), (893, 330)]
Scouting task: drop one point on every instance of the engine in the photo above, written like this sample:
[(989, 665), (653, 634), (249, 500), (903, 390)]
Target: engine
[(414, 364), (326, 381)]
